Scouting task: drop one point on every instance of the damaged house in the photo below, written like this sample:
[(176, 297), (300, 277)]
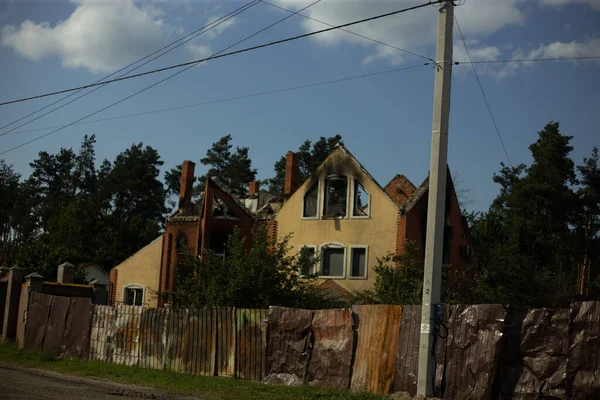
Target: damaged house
[(340, 214), (198, 225), (347, 220)]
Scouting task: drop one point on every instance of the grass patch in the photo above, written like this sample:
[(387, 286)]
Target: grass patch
[(207, 387)]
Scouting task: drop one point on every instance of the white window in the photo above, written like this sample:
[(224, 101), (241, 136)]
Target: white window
[(134, 295), (333, 261), (358, 262), (311, 202), (336, 197), (362, 200), (308, 260)]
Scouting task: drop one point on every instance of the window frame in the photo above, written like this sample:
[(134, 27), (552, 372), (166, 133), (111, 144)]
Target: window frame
[(351, 259), (134, 286), (315, 248), (318, 213), (332, 245), (324, 196), (357, 181)]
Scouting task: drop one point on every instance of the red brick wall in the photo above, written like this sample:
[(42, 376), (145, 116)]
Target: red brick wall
[(112, 290), (400, 189), (412, 226)]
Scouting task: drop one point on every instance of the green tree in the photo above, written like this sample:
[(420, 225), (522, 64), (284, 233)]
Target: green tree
[(234, 168), (311, 155), (400, 281), (525, 242), (132, 200), (257, 277), (589, 224), (9, 220)]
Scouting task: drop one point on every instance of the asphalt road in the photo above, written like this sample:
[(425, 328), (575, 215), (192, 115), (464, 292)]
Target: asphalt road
[(22, 384)]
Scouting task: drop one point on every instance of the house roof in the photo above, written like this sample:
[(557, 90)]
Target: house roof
[(423, 188), (222, 186), (364, 170)]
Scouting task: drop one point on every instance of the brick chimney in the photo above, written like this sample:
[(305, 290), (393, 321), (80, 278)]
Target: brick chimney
[(253, 187), (187, 184), (292, 174)]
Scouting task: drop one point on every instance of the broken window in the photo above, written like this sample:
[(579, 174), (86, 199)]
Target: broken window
[(333, 262), (134, 296), (311, 202), (307, 260), (220, 209), (336, 192), (361, 200), (358, 262)]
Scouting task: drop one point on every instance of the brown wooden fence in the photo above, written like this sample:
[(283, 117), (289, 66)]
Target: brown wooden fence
[(487, 351), (59, 325)]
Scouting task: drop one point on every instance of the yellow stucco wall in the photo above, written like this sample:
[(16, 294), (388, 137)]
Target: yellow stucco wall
[(143, 269), (378, 231)]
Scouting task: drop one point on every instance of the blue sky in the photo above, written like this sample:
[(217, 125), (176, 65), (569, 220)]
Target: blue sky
[(385, 120)]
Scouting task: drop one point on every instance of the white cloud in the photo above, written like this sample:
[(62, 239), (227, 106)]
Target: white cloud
[(221, 27), (99, 36), (589, 48), (102, 36), (595, 4)]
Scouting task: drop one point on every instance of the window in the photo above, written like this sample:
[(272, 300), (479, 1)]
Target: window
[(332, 262), (134, 296), (336, 193), (358, 262), (308, 260), (311, 201), (361, 200), (221, 210)]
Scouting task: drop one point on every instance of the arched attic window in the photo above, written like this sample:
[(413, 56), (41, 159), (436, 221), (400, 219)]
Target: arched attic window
[(336, 197)]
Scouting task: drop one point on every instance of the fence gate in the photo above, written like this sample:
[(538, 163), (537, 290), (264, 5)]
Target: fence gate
[(58, 325)]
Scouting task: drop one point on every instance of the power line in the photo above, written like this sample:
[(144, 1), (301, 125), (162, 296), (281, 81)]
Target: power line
[(347, 31), (483, 92), (154, 84), (187, 38), (530, 60), (257, 94), (213, 57)]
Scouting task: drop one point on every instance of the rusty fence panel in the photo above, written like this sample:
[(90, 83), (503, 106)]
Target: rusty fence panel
[(378, 328), (251, 343), (55, 327), (472, 350), (153, 338), (202, 342), (583, 378), (289, 336), (126, 335), (331, 356), (103, 323), (543, 345), (37, 320), (77, 328), (176, 327), (407, 354), (225, 341)]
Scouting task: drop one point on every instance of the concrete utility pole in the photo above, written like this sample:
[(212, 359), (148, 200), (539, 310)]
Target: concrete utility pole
[(437, 199)]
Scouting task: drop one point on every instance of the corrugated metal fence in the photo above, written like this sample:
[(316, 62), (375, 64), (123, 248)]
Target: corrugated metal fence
[(483, 352)]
